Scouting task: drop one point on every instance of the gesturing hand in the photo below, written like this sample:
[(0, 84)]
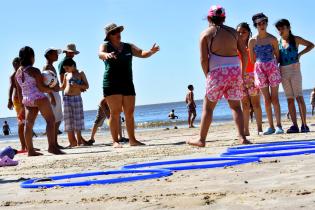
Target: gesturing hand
[(111, 55), (155, 48)]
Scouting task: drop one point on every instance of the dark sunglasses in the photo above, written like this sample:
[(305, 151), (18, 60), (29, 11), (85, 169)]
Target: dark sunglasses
[(114, 32)]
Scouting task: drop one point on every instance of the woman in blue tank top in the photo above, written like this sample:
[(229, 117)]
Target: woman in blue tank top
[(290, 72)]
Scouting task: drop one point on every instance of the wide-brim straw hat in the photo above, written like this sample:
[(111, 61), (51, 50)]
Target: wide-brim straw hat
[(71, 48), (112, 27)]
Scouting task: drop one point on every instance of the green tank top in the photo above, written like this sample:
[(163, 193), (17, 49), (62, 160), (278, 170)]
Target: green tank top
[(118, 71)]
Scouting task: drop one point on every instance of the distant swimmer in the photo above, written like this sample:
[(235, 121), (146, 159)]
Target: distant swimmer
[(6, 128), (172, 115)]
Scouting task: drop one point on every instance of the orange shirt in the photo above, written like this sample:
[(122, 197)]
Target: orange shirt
[(250, 65)]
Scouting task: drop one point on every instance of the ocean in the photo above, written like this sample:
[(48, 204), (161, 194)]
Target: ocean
[(156, 115)]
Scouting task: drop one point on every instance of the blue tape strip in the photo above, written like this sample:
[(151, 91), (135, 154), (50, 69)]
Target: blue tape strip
[(285, 143), (268, 149), (232, 161), (268, 155), (156, 173)]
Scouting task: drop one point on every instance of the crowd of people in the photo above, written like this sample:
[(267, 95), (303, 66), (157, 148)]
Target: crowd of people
[(236, 65)]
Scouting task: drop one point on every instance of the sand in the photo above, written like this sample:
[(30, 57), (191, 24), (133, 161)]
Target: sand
[(282, 182)]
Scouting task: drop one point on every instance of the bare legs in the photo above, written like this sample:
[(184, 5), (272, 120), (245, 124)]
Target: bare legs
[(191, 118), (21, 135), (302, 109), (255, 101), (206, 119), (272, 99), (43, 105), (30, 116), (47, 113), (116, 103)]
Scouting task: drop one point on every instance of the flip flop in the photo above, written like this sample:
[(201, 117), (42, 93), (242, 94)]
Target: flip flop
[(6, 161)]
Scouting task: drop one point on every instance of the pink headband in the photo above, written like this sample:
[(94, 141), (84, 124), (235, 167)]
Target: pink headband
[(216, 11)]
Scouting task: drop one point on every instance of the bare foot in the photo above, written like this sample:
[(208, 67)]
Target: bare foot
[(34, 153), (197, 143), (71, 146), (117, 145), (135, 143), (245, 141), (55, 151)]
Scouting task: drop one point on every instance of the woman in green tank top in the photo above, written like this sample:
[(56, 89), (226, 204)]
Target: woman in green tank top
[(118, 85)]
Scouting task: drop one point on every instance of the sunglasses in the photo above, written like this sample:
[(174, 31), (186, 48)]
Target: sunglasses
[(262, 23), (114, 32)]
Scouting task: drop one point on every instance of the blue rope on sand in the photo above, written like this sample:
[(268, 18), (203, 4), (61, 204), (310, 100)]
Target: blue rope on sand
[(154, 173), (233, 156)]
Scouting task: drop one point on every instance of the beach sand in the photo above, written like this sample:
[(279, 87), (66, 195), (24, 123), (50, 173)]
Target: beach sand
[(275, 183)]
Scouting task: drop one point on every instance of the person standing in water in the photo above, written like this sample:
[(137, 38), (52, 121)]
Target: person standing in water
[(251, 98), (264, 52), (290, 72), (191, 106), (219, 46), (118, 87)]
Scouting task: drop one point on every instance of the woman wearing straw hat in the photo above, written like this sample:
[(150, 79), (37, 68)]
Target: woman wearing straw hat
[(118, 85)]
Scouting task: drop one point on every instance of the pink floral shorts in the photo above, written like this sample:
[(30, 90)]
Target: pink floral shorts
[(225, 81), (249, 88), (267, 74)]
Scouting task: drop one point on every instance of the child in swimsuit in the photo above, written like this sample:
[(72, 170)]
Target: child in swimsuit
[(73, 84), (291, 73), (263, 50), (30, 88), (251, 97)]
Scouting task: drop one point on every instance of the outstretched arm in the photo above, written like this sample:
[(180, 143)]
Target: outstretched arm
[(143, 53), (103, 55)]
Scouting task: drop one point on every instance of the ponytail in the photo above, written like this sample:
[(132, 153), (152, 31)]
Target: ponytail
[(292, 39)]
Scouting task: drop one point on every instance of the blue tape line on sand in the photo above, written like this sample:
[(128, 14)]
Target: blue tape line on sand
[(285, 143), (307, 149), (156, 173), (232, 161), (270, 149)]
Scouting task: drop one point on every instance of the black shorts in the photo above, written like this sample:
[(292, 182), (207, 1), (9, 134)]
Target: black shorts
[(6, 132), (125, 90)]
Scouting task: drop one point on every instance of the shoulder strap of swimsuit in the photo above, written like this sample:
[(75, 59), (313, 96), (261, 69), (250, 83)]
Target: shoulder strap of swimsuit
[(218, 28)]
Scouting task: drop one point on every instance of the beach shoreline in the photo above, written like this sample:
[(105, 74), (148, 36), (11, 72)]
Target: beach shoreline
[(282, 182)]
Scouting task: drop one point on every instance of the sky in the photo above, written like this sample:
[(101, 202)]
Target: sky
[(175, 25)]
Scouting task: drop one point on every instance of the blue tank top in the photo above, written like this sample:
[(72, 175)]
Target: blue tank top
[(264, 53), (288, 55)]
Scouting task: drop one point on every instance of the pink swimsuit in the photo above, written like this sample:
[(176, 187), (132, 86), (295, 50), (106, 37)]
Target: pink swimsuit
[(30, 92)]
